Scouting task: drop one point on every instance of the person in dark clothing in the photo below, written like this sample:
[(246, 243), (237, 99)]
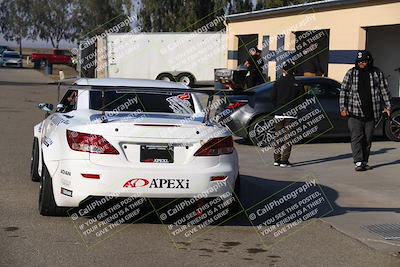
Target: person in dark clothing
[(284, 92), (363, 88), (312, 67), (254, 64)]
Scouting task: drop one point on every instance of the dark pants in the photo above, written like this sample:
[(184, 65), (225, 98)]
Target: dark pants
[(361, 137), (282, 147)]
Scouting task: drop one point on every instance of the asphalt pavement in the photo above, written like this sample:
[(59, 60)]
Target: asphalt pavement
[(338, 237)]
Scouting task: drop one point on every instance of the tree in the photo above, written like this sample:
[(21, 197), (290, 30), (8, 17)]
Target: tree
[(93, 17), (52, 21), (263, 4), (180, 15), (15, 20), (243, 6)]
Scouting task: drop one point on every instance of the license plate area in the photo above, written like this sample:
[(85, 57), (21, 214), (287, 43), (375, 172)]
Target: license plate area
[(156, 153)]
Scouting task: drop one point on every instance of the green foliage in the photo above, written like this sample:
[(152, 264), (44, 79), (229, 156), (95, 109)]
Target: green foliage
[(56, 20), (263, 4), (93, 17), (243, 6), (189, 15), (15, 20), (179, 15), (52, 20)]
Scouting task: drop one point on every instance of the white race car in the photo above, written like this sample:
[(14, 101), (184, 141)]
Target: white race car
[(117, 137)]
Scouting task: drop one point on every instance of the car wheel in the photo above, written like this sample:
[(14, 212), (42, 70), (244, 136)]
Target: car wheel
[(43, 63), (166, 77), (186, 79), (35, 161), (261, 132), (392, 127), (47, 204), (36, 65)]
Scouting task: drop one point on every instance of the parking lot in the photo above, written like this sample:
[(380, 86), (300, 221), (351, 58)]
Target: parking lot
[(339, 238)]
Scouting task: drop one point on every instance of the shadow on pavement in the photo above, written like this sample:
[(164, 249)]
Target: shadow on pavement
[(344, 156), (24, 83), (258, 193)]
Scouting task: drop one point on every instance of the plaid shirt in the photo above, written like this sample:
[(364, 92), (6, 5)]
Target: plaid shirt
[(350, 100)]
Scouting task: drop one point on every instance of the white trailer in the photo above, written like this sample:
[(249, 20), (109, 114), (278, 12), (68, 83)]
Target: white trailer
[(183, 57)]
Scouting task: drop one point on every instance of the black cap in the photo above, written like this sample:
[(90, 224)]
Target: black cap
[(363, 55), (254, 48)]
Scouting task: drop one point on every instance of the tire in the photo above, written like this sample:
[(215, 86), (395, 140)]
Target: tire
[(43, 63), (36, 65), (47, 204), (186, 79), (392, 127), (259, 136), (166, 77), (35, 177)]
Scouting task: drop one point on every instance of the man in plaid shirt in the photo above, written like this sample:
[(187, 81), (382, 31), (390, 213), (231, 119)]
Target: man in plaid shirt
[(363, 89)]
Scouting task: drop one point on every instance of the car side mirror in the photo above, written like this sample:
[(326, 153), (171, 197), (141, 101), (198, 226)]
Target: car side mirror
[(46, 108)]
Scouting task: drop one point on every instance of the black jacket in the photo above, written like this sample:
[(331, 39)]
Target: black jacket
[(284, 91)]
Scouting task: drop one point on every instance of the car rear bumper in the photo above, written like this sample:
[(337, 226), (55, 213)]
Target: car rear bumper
[(148, 182)]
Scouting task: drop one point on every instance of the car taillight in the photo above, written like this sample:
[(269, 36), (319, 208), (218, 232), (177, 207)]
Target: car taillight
[(91, 143), (216, 147), (236, 105)]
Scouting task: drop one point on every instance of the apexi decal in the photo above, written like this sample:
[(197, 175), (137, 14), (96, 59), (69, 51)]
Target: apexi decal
[(158, 183), (156, 161), (68, 173), (57, 120), (47, 141)]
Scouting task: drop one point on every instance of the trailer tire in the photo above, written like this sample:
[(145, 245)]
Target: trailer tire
[(186, 79), (166, 77)]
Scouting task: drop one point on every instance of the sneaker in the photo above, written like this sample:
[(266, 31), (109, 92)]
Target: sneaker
[(360, 167), (286, 165), (276, 163), (367, 167)]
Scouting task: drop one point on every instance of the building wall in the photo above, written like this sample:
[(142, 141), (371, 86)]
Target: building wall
[(346, 26)]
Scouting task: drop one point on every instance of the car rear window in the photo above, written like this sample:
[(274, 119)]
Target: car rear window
[(178, 103)]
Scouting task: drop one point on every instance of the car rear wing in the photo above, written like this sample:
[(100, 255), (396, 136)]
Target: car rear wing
[(162, 90)]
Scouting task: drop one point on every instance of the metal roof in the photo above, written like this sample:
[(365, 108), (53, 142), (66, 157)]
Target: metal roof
[(302, 8)]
